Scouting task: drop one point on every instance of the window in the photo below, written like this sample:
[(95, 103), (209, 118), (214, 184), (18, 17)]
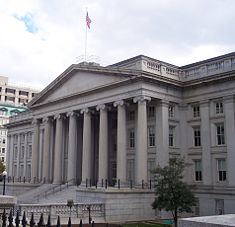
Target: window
[(151, 167), (3, 150), (151, 111), (2, 158), (3, 141), (22, 152), (131, 138), (171, 111), (221, 170), (219, 109), (151, 136), (196, 111), (130, 169), (15, 152), (171, 136), (220, 134), (197, 136), (131, 115), (219, 206), (198, 170), (30, 151)]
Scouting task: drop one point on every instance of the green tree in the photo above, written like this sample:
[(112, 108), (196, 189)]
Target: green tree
[(2, 167), (172, 194)]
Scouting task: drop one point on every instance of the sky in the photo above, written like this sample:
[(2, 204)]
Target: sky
[(39, 39)]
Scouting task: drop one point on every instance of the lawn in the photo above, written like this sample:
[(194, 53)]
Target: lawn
[(145, 225)]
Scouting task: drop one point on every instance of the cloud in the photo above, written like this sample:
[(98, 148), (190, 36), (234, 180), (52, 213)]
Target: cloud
[(40, 39)]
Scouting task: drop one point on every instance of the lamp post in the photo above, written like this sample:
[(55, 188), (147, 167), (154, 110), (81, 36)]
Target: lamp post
[(4, 181)]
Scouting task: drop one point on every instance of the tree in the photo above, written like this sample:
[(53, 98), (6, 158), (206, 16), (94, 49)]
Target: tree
[(2, 167), (172, 194)]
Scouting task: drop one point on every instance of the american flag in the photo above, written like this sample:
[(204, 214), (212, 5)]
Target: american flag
[(88, 20)]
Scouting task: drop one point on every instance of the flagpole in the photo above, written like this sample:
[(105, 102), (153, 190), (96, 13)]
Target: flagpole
[(86, 34)]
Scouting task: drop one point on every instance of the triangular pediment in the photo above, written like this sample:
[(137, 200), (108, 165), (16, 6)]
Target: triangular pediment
[(75, 81)]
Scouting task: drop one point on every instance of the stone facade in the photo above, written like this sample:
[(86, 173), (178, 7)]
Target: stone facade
[(116, 123)]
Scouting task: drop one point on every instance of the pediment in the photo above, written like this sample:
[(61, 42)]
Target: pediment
[(75, 82)]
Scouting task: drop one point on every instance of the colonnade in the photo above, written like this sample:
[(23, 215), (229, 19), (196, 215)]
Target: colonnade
[(121, 158)]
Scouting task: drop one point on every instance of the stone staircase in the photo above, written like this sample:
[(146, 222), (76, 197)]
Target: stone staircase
[(31, 196), (60, 196)]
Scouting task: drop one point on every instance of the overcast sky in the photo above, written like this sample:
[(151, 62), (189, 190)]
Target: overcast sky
[(39, 39)]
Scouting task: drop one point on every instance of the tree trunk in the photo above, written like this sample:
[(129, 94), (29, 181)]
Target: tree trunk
[(176, 218)]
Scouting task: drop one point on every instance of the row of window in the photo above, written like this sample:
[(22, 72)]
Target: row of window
[(220, 135), (218, 106), (220, 168), (22, 152), (151, 137)]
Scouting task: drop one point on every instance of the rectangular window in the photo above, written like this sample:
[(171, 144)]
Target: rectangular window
[(219, 109), (30, 151), (3, 150), (171, 136), (131, 138), (221, 170), (130, 169), (151, 167), (196, 111), (220, 134), (151, 136), (131, 115), (171, 111), (198, 170), (197, 136), (151, 111), (219, 206)]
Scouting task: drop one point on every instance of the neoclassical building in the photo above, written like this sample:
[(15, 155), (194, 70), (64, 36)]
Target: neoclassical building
[(114, 124)]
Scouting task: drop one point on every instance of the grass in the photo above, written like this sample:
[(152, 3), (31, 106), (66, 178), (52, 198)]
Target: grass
[(145, 225)]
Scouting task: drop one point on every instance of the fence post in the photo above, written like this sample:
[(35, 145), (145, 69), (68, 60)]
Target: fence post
[(40, 223), (10, 219), (80, 224), (48, 221), (24, 221), (4, 219), (32, 223), (17, 220), (106, 183), (142, 184), (69, 222), (58, 222), (118, 183)]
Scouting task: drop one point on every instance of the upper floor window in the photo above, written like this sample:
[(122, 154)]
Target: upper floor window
[(171, 111), (131, 138), (219, 108), (151, 111), (151, 136), (220, 134), (131, 115), (197, 136), (198, 170), (196, 111), (171, 136), (221, 170)]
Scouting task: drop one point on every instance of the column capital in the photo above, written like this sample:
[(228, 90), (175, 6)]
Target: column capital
[(101, 107), (35, 121), (46, 119), (58, 116), (72, 114), (118, 103), (141, 99), (85, 110)]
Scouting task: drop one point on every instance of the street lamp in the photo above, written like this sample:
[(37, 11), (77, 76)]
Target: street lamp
[(4, 181)]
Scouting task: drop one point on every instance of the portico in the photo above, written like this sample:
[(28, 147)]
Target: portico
[(86, 144)]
